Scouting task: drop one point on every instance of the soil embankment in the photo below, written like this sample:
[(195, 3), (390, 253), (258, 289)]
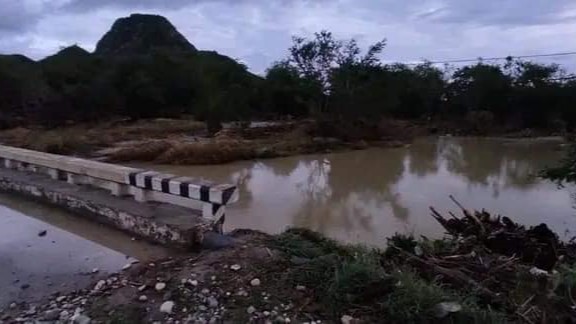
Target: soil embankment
[(487, 269), (181, 141), (185, 141)]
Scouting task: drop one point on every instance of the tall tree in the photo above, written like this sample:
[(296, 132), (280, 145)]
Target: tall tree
[(316, 59)]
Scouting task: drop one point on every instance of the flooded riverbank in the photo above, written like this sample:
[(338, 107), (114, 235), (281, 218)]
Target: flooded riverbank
[(365, 196), (45, 250)]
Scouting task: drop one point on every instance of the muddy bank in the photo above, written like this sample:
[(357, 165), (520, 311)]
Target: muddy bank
[(241, 142), (185, 141), (487, 269), (170, 141), (84, 139)]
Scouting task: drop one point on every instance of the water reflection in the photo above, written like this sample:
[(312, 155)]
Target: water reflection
[(495, 163), (365, 196), (61, 259), (84, 228)]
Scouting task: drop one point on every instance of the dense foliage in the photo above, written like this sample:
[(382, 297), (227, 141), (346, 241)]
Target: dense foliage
[(144, 68), (338, 81)]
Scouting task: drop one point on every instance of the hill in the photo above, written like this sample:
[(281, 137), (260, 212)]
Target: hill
[(23, 89), (142, 67), (72, 53), (142, 34)]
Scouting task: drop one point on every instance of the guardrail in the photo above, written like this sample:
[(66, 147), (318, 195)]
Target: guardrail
[(211, 199)]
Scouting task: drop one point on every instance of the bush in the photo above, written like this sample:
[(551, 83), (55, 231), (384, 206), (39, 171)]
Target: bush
[(565, 171)]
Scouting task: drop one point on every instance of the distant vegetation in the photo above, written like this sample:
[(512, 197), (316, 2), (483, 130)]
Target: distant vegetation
[(143, 67)]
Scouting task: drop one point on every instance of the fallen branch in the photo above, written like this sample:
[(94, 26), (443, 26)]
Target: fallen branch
[(455, 276), (469, 215)]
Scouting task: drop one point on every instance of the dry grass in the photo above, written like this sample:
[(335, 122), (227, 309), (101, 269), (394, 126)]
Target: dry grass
[(148, 151), (227, 146), (155, 128), (170, 141), (213, 152), (173, 152), (82, 139), (61, 141), (15, 134)]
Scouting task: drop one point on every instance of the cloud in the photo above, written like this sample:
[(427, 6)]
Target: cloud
[(503, 12), (18, 15), (259, 32), (84, 5)]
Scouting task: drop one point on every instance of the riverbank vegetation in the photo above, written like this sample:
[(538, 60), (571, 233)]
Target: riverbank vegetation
[(565, 170), (348, 93), (487, 269), (184, 141)]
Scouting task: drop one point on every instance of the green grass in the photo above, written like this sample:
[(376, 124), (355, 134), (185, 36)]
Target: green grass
[(358, 281), (414, 300), (307, 244), (361, 281)]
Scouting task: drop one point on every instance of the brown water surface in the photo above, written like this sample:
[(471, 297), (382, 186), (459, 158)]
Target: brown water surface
[(366, 196), (44, 250)]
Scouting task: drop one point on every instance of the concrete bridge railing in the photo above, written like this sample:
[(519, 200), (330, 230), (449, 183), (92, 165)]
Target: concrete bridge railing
[(208, 198)]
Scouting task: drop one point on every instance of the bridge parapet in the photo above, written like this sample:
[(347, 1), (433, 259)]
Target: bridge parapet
[(143, 185)]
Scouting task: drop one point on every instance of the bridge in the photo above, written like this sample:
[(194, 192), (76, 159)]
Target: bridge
[(162, 208)]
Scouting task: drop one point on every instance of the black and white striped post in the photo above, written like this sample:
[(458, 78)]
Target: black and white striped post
[(213, 197)]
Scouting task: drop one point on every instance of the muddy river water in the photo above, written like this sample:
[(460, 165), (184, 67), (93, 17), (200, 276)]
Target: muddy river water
[(45, 250), (366, 196), (360, 197)]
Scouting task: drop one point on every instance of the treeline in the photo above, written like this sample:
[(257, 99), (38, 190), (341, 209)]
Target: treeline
[(322, 78)]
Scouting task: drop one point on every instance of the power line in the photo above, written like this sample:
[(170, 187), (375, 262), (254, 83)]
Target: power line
[(568, 78), (496, 58)]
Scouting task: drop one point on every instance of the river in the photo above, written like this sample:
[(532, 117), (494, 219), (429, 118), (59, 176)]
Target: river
[(44, 250), (356, 197), (366, 196)]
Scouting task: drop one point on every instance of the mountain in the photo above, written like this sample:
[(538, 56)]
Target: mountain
[(142, 34), (23, 88), (141, 68)]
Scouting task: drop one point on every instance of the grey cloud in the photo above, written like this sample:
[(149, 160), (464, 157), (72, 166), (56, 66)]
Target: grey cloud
[(503, 12), (15, 16), (22, 15), (83, 5)]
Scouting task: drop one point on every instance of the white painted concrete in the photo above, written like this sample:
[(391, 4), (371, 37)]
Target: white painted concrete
[(116, 179)]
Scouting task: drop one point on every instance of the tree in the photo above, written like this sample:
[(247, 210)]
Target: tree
[(415, 92), (479, 87), (286, 92), (316, 60), (536, 97)]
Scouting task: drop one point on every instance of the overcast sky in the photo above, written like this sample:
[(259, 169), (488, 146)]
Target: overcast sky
[(258, 32)]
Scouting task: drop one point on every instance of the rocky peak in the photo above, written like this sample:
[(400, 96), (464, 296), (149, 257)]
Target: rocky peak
[(141, 34)]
